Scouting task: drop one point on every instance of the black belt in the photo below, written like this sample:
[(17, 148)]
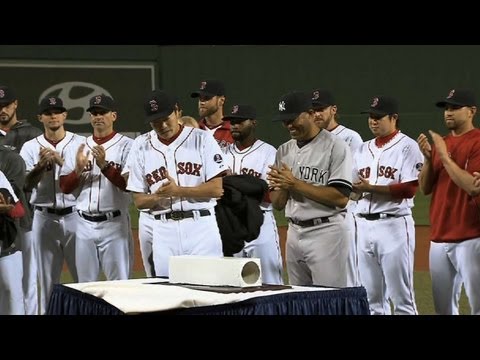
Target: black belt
[(98, 218), (56, 211), (311, 222), (375, 216), (179, 215)]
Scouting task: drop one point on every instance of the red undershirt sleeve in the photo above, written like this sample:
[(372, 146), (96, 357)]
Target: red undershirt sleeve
[(404, 190)]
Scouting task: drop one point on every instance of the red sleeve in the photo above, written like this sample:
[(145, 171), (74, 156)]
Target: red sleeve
[(114, 175), (18, 211), (404, 190), (69, 182), (266, 198)]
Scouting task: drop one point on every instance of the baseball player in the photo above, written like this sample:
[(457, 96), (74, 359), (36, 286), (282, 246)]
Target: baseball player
[(325, 110), (211, 99), (385, 171), (178, 176), (311, 179), (103, 229), (54, 223), (13, 134), (455, 224), (11, 267), (251, 156), (146, 218)]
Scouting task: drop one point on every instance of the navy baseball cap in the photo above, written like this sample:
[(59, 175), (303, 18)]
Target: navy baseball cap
[(159, 105), (293, 104), (102, 101), (241, 111), (458, 97), (322, 98), (7, 96), (51, 103), (210, 88), (382, 105)]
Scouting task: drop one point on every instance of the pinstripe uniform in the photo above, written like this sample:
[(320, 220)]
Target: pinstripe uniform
[(318, 236)]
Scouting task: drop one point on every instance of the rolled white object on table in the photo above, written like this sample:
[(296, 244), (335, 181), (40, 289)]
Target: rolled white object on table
[(215, 271)]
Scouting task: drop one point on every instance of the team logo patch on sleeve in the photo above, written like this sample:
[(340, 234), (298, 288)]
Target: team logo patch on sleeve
[(217, 158), (419, 166)]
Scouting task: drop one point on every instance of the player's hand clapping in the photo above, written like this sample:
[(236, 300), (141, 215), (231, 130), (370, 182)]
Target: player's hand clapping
[(281, 178), (98, 153), (81, 159)]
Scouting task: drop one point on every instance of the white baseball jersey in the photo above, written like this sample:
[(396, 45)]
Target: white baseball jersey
[(193, 158), (47, 193), (98, 194), (351, 137), (325, 160), (398, 161), (254, 160), (4, 183)]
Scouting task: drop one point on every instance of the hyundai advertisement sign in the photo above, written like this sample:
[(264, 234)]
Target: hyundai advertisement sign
[(75, 83)]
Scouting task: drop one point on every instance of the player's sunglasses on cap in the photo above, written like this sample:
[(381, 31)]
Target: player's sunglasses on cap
[(209, 89), (291, 105), (381, 106), (240, 113)]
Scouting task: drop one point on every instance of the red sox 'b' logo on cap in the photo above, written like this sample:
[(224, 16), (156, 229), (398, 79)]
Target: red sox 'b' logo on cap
[(235, 109), (281, 106), (2, 94), (374, 102), (316, 95), (450, 94), (52, 101), (203, 85), (153, 105), (98, 100)]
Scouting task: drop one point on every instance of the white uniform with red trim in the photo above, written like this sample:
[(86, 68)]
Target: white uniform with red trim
[(54, 222), (11, 271), (354, 141), (385, 226), (145, 219), (192, 158), (103, 230), (254, 161)]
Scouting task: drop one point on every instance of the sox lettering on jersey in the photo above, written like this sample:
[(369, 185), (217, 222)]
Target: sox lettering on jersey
[(386, 171), (160, 174), (252, 172)]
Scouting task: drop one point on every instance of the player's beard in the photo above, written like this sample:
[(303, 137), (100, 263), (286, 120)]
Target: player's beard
[(5, 119), (206, 112)]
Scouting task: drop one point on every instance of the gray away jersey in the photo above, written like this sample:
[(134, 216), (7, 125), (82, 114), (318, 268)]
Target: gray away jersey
[(324, 161)]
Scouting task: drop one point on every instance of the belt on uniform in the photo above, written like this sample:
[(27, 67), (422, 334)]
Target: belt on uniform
[(179, 215), (100, 217), (375, 216), (310, 222), (56, 211)]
